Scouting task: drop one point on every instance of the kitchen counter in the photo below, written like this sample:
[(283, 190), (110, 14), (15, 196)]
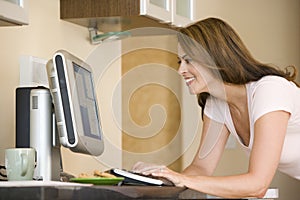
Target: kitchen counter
[(36, 190)]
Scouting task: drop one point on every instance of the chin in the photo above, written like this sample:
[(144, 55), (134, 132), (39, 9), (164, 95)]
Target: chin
[(192, 91), (196, 91)]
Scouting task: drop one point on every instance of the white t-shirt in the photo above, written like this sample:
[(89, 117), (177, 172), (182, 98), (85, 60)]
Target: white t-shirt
[(268, 94)]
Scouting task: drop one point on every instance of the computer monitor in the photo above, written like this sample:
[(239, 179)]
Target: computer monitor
[(76, 110)]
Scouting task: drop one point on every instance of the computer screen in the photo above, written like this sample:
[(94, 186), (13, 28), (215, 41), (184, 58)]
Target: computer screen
[(87, 102), (75, 104)]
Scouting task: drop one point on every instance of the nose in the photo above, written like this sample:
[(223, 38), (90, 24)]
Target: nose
[(182, 68)]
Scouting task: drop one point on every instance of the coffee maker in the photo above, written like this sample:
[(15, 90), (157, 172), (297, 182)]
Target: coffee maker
[(36, 128)]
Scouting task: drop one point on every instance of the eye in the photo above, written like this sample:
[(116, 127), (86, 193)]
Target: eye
[(179, 60), (188, 60)]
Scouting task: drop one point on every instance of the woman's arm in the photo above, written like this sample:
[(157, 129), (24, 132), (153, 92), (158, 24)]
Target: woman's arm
[(269, 137), (208, 156), (213, 140)]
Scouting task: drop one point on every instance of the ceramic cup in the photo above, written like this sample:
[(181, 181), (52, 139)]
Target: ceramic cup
[(20, 163)]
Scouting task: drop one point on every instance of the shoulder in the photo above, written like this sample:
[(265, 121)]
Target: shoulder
[(277, 80), (272, 93), (271, 84)]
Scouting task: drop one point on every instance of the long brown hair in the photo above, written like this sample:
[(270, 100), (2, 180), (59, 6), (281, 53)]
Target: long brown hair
[(233, 62)]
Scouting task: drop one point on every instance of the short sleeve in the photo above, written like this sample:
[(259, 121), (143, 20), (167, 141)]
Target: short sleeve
[(270, 94)]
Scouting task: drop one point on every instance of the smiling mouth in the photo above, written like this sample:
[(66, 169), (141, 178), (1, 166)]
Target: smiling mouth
[(188, 81)]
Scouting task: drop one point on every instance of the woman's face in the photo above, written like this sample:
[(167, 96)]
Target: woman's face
[(193, 73)]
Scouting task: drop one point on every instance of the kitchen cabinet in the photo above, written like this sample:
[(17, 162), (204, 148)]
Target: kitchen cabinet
[(158, 9), (119, 15), (175, 12), (13, 12), (183, 12)]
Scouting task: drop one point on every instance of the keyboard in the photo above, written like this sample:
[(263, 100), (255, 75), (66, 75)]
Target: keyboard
[(132, 178)]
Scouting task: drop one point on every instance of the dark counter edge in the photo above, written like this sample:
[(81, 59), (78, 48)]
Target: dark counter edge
[(101, 192), (98, 192)]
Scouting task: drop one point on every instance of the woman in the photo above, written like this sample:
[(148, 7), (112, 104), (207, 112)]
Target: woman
[(257, 103)]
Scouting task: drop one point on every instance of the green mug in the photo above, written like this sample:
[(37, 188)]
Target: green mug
[(20, 163)]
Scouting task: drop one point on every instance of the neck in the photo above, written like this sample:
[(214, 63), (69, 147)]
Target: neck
[(234, 95), (237, 97)]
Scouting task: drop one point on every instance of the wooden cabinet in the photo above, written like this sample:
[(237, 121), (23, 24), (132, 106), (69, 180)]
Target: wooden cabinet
[(106, 15), (117, 15), (13, 12)]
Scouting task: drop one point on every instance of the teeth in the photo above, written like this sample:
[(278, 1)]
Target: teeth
[(189, 79)]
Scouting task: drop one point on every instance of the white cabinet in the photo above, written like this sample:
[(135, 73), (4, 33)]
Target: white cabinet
[(157, 9), (183, 12), (13, 12), (175, 12)]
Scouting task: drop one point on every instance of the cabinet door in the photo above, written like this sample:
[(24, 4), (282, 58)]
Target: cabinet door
[(183, 12), (13, 12), (157, 9)]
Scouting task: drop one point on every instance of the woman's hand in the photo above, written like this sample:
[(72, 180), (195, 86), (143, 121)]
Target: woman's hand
[(146, 168), (159, 171)]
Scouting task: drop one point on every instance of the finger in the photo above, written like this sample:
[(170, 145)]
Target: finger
[(152, 170), (140, 167), (137, 166), (160, 171), (146, 168)]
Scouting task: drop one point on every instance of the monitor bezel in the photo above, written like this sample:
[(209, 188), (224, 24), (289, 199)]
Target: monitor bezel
[(82, 143)]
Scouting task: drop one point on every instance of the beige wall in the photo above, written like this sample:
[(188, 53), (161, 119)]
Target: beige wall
[(270, 29), (45, 34)]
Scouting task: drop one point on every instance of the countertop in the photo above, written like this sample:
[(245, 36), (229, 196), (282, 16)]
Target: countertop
[(37, 190)]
